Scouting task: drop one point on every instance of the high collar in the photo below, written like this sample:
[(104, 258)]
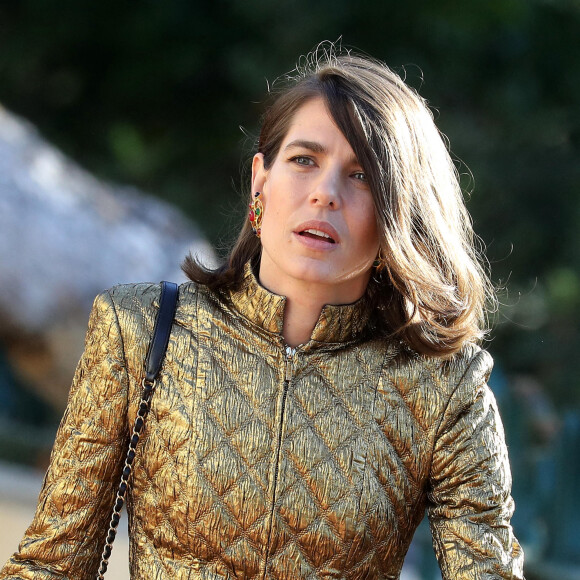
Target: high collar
[(336, 323)]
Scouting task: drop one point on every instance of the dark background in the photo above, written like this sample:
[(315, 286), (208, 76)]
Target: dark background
[(154, 94)]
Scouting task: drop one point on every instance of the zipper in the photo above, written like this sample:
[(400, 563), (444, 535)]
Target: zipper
[(288, 368)]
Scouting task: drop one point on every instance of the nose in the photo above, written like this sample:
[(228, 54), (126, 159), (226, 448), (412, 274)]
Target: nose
[(326, 190)]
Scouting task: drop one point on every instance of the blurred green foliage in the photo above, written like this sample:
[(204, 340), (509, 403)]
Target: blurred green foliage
[(32, 444), (154, 93)]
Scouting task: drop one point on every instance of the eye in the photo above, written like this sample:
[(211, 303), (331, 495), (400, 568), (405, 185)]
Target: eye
[(360, 176), (302, 160)]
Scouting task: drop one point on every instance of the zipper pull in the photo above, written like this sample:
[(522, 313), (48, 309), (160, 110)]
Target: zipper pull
[(288, 365)]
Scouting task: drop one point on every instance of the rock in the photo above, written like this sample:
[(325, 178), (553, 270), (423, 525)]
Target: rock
[(64, 237)]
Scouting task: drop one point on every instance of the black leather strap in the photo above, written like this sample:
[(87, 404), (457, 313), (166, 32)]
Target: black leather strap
[(155, 355), (162, 330)]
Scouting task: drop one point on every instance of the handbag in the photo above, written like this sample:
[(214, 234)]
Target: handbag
[(153, 361)]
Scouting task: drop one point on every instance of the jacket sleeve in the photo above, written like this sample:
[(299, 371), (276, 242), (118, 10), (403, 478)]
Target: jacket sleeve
[(470, 502), (67, 534)]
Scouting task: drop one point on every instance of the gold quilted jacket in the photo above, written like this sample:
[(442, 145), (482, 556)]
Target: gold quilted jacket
[(260, 462)]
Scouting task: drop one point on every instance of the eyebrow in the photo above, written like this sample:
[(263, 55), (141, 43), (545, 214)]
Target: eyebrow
[(310, 145)]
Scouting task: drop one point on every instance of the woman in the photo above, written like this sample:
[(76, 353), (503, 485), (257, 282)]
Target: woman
[(320, 390)]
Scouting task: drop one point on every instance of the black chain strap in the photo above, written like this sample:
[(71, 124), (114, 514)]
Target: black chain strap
[(148, 389), (154, 359)]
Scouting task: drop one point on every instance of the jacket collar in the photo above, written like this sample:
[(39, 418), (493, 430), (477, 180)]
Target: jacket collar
[(336, 324)]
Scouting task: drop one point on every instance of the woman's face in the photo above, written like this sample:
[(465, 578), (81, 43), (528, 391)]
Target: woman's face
[(319, 229)]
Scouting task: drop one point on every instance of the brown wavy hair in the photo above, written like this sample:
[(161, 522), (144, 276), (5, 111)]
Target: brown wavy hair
[(432, 290)]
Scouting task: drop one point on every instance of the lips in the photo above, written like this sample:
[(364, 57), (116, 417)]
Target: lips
[(316, 234), (317, 230)]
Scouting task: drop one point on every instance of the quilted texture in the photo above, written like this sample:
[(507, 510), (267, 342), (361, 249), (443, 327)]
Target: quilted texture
[(258, 463)]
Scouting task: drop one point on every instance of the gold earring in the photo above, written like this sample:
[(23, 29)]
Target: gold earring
[(380, 261), (256, 213)]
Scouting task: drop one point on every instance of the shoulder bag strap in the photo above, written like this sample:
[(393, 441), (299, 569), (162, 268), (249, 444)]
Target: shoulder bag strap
[(155, 356)]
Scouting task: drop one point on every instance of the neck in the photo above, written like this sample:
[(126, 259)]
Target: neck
[(304, 304), (300, 317)]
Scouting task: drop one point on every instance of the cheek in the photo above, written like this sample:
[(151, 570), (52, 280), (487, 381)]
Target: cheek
[(278, 209), (274, 222), (367, 227)]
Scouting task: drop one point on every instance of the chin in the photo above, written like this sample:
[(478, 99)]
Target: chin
[(314, 271), (333, 280), (345, 281)]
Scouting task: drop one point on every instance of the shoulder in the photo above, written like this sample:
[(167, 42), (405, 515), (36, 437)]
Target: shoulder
[(437, 378), (135, 305), (468, 391), (144, 294), (470, 364), (125, 315)]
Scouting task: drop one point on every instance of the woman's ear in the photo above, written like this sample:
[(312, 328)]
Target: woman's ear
[(259, 173)]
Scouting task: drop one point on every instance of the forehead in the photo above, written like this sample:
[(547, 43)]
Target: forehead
[(313, 122)]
